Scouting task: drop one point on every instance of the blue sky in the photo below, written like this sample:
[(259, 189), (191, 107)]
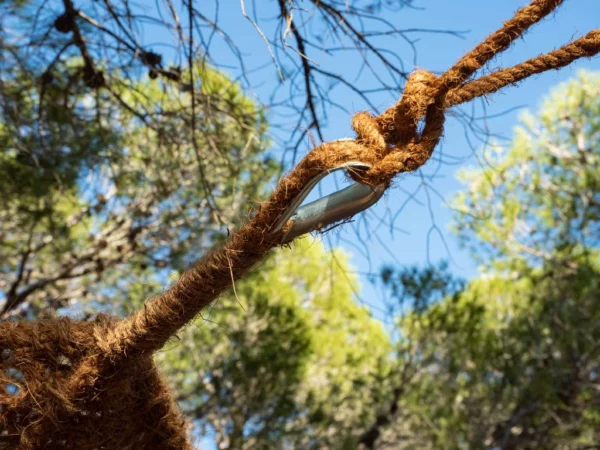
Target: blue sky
[(421, 232)]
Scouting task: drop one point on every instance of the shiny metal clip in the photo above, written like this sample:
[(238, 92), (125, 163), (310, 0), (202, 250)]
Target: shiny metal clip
[(340, 205)]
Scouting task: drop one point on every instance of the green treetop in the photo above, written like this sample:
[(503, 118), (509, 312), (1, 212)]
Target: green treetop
[(512, 359), (539, 201), (288, 363), (95, 194)]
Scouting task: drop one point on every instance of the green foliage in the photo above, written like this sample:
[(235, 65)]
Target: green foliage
[(508, 364), (539, 200), (511, 360), (93, 189), (292, 368), (109, 193)]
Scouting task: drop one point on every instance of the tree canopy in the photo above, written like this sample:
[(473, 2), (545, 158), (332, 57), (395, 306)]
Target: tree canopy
[(93, 191), (511, 359)]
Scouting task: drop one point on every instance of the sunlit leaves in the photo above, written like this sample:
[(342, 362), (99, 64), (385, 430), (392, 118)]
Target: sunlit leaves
[(541, 195), (294, 366)]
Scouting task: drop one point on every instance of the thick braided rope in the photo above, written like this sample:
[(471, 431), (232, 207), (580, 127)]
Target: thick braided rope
[(586, 46), (151, 327), (414, 153), (390, 143), (497, 42), (425, 97)]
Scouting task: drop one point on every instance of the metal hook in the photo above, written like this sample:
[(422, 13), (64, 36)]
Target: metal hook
[(332, 208)]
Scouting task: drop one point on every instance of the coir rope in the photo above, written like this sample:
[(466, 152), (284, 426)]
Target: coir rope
[(93, 385)]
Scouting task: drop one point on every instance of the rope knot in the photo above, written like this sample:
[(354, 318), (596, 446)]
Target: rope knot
[(394, 135), (417, 96)]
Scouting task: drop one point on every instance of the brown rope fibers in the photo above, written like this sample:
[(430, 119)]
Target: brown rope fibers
[(93, 385)]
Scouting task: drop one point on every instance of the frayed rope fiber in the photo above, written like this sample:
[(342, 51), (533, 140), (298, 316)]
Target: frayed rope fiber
[(93, 385)]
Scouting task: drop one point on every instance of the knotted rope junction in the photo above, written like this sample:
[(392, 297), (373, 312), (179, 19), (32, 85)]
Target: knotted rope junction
[(93, 385)]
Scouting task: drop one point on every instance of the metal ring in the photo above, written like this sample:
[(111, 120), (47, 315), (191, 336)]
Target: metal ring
[(340, 205)]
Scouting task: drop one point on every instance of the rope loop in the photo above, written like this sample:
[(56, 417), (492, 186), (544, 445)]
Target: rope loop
[(394, 136), (418, 95), (397, 126)]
